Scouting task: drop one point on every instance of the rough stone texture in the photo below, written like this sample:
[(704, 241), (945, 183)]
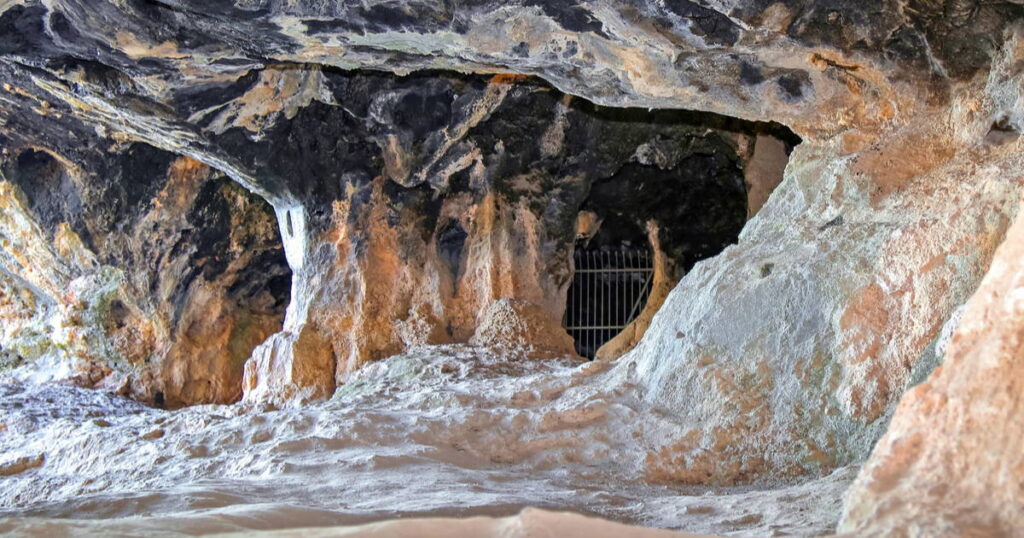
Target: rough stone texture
[(665, 277), (406, 205), (811, 325), (440, 213), (136, 269), (516, 324), (950, 462), (441, 431), (783, 357), (764, 170)]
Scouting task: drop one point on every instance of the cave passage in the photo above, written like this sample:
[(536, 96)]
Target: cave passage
[(609, 290), (645, 226)]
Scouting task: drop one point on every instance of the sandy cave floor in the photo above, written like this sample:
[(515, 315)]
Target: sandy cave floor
[(447, 431)]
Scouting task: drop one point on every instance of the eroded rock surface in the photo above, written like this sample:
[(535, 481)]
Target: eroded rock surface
[(442, 431), (782, 358), (407, 206), (950, 462), (134, 268)]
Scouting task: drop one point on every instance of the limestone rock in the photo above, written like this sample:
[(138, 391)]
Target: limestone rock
[(514, 324), (950, 462), (156, 433), (20, 465), (137, 263), (424, 159)]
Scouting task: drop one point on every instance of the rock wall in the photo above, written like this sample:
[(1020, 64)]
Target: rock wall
[(784, 356), (138, 270), (455, 192), (408, 205), (950, 461), (811, 326)]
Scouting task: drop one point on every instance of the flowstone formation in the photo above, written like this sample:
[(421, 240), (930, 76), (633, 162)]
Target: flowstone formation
[(408, 205), (136, 270), (426, 163)]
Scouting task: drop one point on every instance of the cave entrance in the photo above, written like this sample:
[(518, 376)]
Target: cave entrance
[(640, 229), (610, 288), (614, 271)]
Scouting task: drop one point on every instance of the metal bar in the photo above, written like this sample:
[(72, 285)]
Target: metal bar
[(580, 334), (584, 314), (584, 285), (596, 311), (603, 282), (579, 297), (634, 289), (609, 289), (644, 292), (589, 312), (642, 298), (613, 313), (619, 288), (603, 301), (627, 284), (637, 270), (596, 319)]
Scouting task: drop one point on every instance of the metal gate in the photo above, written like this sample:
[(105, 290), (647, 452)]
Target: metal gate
[(609, 289)]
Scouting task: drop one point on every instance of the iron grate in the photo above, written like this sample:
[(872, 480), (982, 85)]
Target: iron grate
[(609, 290)]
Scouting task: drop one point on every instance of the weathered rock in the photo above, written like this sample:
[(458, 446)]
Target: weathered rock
[(482, 431), (19, 465), (406, 205), (520, 325), (812, 324), (465, 207), (155, 433), (137, 264), (782, 357), (447, 201), (950, 462)]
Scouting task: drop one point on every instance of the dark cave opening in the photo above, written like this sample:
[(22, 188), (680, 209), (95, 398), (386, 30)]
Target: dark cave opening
[(48, 187), (613, 273), (645, 226), (500, 191), (537, 150)]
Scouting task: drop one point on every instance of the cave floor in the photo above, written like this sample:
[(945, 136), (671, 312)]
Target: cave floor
[(447, 431)]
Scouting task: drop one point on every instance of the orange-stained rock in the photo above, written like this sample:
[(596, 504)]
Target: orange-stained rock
[(434, 222), (520, 325), (950, 463), (291, 368), (408, 215), (764, 170), (787, 354), (663, 280), (166, 306)]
